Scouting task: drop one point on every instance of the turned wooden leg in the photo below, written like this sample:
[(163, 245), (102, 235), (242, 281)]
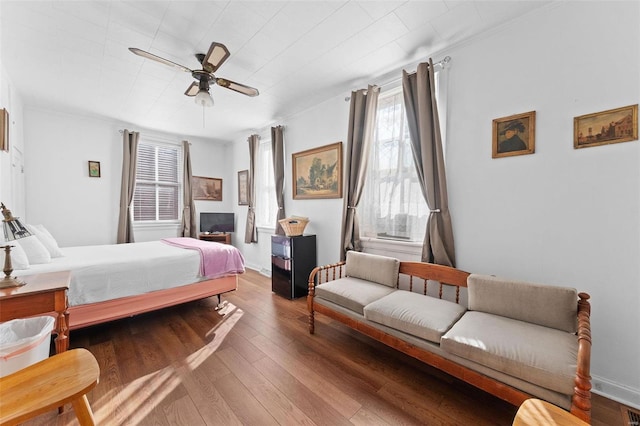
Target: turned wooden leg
[(311, 323), (62, 331), (83, 411)]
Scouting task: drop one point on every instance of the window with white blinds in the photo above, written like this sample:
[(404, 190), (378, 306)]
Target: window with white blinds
[(158, 192)]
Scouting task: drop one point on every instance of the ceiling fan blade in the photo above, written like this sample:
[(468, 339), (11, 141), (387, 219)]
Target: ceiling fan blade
[(218, 53), (158, 59), (240, 88), (193, 89)]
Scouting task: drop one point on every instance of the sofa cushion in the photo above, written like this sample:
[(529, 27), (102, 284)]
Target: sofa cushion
[(352, 293), (541, 355), (416, 314), (545, 305), (372, 267)]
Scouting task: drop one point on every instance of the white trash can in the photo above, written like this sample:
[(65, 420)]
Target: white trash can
[(24, 342)]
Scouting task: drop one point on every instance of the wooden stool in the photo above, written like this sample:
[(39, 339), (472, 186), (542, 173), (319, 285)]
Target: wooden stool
[(49, 384), (534, 412)]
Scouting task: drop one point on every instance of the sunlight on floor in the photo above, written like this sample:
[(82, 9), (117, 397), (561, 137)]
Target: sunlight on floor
[(148, 391)]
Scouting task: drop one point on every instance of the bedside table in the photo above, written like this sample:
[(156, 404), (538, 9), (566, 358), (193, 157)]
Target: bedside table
[(43, 294)]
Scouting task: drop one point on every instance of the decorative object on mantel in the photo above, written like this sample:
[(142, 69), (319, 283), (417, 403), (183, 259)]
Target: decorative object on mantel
[(4, 130), (514, 135), (204, 188), (293, 226), (13, 230), (606, 127), (317, 173), (94, 169), (243, 188)]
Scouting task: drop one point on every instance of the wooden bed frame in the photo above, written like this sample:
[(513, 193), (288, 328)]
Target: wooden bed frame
[(581, 400), (97, 313)]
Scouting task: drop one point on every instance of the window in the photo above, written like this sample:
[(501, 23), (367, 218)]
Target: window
[(158, 192), (392, 205), (266, 204)]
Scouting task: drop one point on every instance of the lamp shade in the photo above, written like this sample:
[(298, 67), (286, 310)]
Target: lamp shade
[(13, 230), (12, 227), (204, 98)]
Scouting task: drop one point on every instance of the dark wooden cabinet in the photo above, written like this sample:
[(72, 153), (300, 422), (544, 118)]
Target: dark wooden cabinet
[(292, 259), (218, 238)]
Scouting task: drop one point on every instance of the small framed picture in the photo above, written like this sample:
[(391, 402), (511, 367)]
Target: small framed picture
[(606, 127), (514, 135), (4, 130), (243, 188), (205, 188), (94, 169)]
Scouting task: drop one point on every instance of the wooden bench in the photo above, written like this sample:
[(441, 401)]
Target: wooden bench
[(49, 384)]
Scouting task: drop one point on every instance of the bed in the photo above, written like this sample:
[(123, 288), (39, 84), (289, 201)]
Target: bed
[(110, 282)]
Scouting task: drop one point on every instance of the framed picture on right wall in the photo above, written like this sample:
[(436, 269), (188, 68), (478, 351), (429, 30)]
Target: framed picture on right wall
[(606, 127)]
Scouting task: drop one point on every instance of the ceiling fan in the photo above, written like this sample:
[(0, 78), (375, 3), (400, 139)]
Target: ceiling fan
[(218, 53)]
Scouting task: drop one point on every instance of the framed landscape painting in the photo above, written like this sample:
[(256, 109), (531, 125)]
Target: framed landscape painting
[(204, 188), (606, 127), (317, 173)]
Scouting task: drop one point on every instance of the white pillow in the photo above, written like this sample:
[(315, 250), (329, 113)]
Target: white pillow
[(19, 258), (46, 239), (36, 252)]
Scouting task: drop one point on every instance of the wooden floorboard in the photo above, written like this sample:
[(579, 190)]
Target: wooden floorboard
[(254, 363)]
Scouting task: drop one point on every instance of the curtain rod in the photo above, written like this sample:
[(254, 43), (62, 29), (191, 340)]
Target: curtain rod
[(440, 64)]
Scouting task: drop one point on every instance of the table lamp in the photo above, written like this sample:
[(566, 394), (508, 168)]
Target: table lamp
[(13, 230)]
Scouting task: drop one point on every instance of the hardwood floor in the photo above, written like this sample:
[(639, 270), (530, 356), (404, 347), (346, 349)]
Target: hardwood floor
[(258, 365)]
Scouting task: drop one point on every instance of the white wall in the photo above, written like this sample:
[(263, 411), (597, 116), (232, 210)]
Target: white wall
[(322, 125), (80, 210), (11, 174), (560, 216)]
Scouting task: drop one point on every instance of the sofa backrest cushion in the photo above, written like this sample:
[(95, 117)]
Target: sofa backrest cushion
[(545, 305), (372, 267)]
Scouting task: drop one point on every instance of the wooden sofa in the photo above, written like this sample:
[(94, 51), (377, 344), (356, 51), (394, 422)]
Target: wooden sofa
[(376, 295)]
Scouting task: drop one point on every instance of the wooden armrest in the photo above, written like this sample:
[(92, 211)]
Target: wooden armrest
[(49, 384)]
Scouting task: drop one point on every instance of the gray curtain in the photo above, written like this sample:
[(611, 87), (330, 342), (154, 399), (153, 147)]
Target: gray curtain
[(250, 234), (188, 209), (128, 185), (362, 120), (277, 152), (426, 144)]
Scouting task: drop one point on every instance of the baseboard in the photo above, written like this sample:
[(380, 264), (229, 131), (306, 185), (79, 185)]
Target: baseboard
[(615, 391), (259, 269)]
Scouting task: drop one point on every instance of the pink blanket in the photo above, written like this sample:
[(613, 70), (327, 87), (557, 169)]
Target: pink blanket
[(216, 259)]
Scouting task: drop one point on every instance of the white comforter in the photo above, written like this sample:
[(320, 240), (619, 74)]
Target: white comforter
[(111, 271)]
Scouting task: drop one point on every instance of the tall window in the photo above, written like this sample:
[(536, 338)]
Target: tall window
[(392, 204), (158, 193), (266, 203)]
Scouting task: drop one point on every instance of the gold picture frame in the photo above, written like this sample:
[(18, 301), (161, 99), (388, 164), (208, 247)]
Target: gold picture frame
[(243, 188), (514, 135), (317, 173), (94, 169), (606, 127), (4, 130), (204, 188)]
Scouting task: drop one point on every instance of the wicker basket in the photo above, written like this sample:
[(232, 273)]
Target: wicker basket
[(294, 225)]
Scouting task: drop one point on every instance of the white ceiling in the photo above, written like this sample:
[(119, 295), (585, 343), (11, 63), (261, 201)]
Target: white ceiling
[(73, 55)]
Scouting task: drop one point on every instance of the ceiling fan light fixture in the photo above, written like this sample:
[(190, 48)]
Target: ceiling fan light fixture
[(204, 98)]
